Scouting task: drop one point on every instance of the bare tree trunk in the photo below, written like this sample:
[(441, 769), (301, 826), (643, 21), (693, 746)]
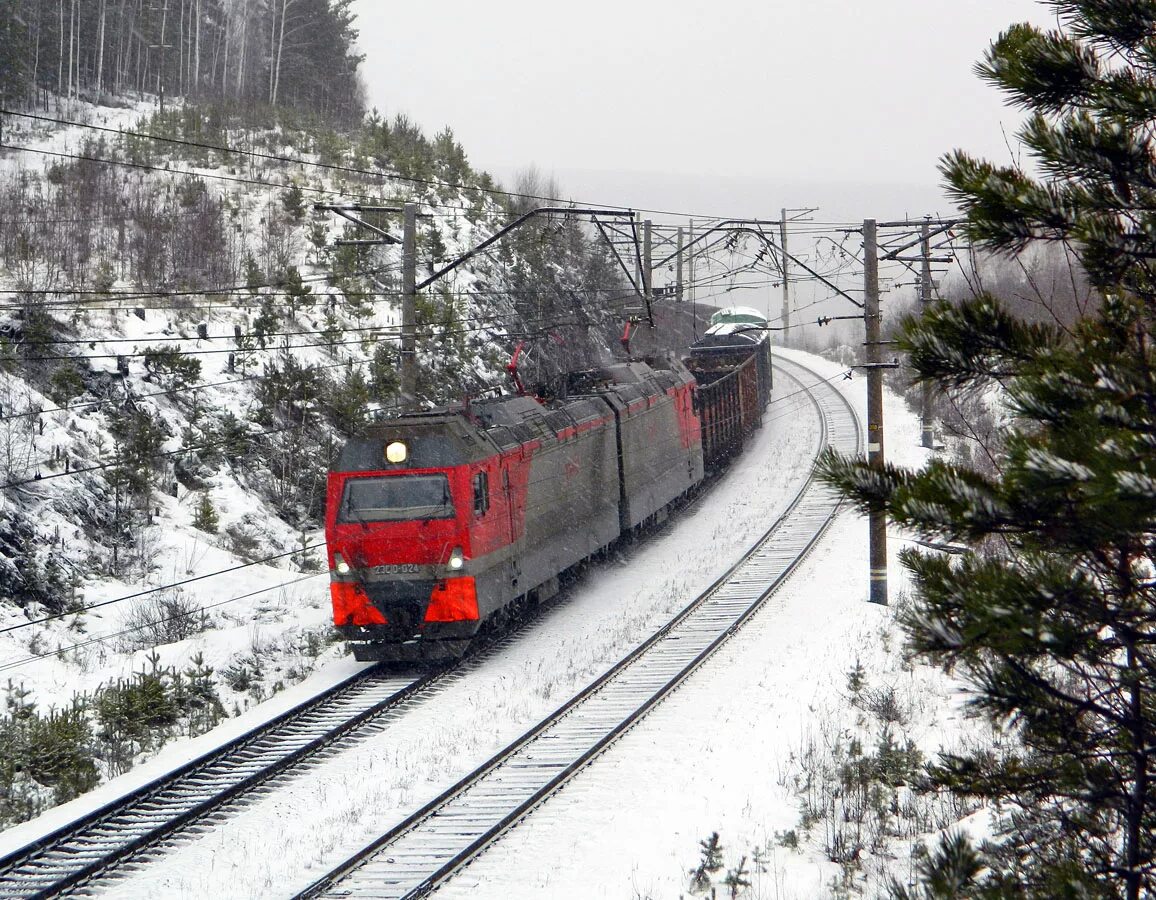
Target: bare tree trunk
[(60, 68), (79, 50), (181, 55), (161, 67), (73, 86), (280, 50), (272, 46), (120, 71), (36, 56), (242, 52), (222, 51), (1134, 827), (197, 49), (100, 54), (141, 73), (186, 47)]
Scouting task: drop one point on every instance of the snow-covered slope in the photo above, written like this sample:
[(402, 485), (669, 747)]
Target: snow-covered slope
[(183, 350)]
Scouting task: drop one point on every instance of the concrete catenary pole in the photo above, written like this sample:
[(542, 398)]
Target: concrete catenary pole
[(877, 527), (678, 268), (647, 260), (408, 307), (690, 277), (786, 281), (925, 299)]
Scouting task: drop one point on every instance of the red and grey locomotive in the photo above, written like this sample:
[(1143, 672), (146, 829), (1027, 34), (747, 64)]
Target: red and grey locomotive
[(439, 522)]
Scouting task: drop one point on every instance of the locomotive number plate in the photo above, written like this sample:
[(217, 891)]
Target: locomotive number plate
[(397, 569)]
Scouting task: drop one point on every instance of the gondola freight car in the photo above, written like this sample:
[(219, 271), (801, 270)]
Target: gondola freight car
[(731, 364)]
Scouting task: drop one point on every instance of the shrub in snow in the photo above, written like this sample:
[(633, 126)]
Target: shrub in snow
[(164, 618), (205, 516)]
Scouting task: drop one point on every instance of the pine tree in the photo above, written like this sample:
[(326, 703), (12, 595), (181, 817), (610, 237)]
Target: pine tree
[(346, 402), (948, 873), (710, 863), (297, 293), (737, 879), (205, 516), (1052, 613)]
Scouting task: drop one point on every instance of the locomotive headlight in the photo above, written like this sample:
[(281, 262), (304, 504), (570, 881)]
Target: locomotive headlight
[(396, 452), (457, 559), (340, 564)]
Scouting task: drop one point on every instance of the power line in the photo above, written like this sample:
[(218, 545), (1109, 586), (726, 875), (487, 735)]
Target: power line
[(239, 289), (273, 157), (261, 377), (352, 170), (85, 306), (190, 448), (374, 331), (182, 390), (164, 587), (145, 167), (102, 638)]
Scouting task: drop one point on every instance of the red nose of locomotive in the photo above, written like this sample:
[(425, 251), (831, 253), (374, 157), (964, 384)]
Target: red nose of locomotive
[(398, 540)]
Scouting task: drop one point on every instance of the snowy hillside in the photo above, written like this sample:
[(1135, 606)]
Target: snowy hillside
[(184, 348)]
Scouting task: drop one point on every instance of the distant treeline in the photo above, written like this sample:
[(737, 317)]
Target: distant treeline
[(281, 52)]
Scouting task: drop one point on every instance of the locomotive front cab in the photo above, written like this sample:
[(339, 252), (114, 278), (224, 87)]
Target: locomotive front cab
[(399, 507)]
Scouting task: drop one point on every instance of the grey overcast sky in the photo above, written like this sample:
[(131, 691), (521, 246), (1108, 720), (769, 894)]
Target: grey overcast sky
[(778, 93)]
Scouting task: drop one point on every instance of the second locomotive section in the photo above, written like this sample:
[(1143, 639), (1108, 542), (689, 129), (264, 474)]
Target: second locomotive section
[(439, 522)]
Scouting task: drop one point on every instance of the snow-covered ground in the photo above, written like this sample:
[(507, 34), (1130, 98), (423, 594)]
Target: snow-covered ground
[(721, 754)]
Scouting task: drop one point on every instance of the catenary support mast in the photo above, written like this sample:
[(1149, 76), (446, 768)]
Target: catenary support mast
[(925, 299), (408, 306), (877, 527)]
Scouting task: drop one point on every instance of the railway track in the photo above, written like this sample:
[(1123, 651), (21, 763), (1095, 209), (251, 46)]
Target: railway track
[(125, 830), (421, 852), (121, 830)]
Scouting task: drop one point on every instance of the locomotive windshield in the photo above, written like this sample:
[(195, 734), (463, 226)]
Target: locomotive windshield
[(396, 498)]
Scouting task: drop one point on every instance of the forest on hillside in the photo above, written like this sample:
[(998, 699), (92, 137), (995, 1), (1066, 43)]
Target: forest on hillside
[(298, 53)]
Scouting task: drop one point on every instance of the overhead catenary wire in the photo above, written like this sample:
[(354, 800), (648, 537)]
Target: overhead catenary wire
[(72, 472), (486, 324), (152, 395), (258, 300), (430, 330), (273, 157), (146, 167), (164, 454)]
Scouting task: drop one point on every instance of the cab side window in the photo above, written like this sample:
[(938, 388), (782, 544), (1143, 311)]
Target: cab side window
[(481, 493)]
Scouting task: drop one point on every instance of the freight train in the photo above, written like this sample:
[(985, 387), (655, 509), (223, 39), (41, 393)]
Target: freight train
[(440, 524)]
